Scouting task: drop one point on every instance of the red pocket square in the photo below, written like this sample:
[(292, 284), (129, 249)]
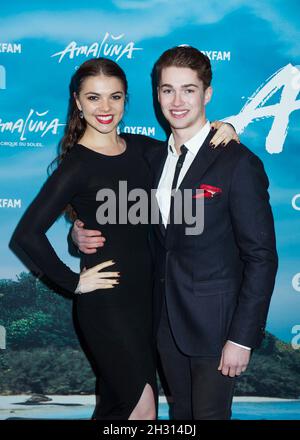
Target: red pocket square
[(208, 191)]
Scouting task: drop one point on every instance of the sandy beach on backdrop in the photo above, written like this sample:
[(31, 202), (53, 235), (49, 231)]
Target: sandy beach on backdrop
[(80, 399), (13, 406)]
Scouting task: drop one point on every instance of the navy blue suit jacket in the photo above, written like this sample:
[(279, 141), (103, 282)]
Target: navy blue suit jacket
[(218, 284)]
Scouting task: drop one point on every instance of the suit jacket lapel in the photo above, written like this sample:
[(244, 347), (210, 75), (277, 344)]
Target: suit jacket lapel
[(202, 162)]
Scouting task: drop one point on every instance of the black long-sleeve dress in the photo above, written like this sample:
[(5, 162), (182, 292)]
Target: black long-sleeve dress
[(116, 323)]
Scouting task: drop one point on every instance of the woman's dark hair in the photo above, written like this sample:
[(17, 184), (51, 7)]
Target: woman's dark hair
[(75, 126)]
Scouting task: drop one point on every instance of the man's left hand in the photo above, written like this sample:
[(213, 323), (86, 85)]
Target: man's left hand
[(234, 360)]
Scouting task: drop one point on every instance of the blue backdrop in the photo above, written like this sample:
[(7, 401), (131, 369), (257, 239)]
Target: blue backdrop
[(254, 48)]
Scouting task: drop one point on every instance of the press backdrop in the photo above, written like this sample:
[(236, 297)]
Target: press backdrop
[(254, 48)]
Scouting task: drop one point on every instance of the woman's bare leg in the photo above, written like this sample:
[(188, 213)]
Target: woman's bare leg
[(145, 408)]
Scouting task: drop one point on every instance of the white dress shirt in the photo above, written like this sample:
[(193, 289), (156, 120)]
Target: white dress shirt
[(163, 193)]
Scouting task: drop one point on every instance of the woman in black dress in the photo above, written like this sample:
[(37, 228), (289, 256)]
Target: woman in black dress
[(114, 316)]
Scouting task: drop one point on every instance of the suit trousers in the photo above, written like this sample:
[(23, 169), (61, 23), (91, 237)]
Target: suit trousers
[(198, 389)]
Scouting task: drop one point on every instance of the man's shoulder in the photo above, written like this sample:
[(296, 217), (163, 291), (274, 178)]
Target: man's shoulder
[(144, 141), (150, 148), (241, 160), (240, 151)]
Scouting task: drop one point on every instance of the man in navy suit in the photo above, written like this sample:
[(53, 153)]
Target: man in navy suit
[(212, 289)]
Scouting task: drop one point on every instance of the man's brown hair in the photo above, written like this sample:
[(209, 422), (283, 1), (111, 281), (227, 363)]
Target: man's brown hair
[(185, 56)]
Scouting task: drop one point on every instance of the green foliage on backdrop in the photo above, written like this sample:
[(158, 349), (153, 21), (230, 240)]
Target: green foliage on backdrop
[(44, 354)]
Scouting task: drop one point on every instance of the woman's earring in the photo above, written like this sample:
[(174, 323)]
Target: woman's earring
[(81, 114)]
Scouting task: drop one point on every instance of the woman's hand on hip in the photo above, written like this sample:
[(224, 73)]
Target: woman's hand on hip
[(94, 278)]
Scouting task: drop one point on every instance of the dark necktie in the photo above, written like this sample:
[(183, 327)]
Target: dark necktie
[(179, 164)]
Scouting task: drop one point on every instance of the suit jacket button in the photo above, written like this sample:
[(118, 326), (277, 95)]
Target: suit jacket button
[(162, 280)]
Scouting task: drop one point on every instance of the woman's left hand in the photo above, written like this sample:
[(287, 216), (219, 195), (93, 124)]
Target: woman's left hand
[(224, 134)]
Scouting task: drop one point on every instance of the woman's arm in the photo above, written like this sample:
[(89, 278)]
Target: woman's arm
[(30, 234)]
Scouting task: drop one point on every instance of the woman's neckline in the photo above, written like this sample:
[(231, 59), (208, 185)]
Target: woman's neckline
[(107, 155)]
